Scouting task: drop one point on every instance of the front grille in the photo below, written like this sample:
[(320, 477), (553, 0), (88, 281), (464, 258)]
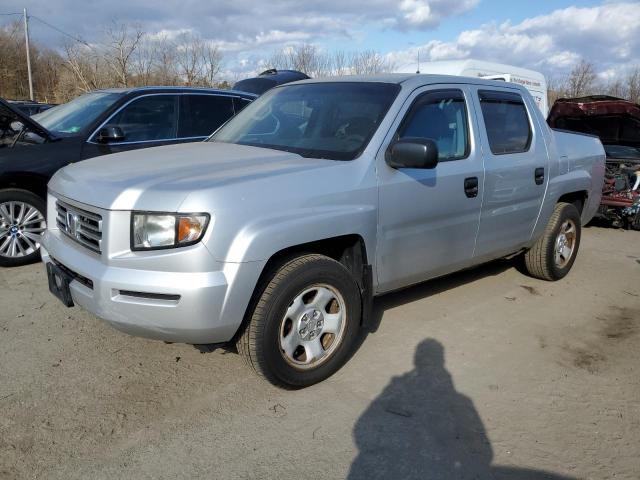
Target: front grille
[(82, 226)]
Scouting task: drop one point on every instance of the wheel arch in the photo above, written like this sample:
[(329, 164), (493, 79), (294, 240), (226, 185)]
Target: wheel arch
[(31, 182), (578, 199), (350, 250), (575, 186)]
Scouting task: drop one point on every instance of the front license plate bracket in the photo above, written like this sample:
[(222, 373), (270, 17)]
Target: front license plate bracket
[(59, 284)]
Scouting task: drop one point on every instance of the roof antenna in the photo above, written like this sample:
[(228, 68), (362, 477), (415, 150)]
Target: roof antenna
[(418, 71)]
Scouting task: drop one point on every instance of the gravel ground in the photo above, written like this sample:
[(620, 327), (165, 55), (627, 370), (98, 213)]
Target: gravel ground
[(482, 374)]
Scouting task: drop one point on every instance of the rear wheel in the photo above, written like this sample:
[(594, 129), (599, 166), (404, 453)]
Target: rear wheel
[(22, 223), (552, 256), (304, 323)]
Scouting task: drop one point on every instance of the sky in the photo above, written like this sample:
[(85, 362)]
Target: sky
[(550, 36)]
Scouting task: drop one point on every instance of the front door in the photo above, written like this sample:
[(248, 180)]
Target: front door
[(428, 219), (147, 121)]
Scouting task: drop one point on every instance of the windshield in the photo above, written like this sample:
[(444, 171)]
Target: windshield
[(622, 152), (320, 120), (78, 114)]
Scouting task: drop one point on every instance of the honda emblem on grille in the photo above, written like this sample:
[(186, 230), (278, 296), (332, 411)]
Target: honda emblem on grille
[(72, 223)]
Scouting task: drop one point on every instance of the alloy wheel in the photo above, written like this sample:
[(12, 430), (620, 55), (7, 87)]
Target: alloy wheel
[(313, 326), (565, 243), (21, 229)]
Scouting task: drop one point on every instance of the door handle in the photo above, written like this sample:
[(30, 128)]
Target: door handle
[(539, 176), (471, 187)]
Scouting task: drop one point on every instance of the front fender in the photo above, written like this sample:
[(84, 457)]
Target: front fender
[(260, 239)]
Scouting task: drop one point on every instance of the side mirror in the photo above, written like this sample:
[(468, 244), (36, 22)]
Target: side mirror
[(412, 152), (110, 135)]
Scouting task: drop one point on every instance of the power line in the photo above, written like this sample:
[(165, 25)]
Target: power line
[(79, 40), (73, 37)]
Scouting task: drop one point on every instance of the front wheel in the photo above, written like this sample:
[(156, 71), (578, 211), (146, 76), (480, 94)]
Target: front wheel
[(552, 256), (304, 323), (22, 223)]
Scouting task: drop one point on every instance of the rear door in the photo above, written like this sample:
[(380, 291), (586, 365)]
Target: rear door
[(146, 121), (516, 170), (428, 219)]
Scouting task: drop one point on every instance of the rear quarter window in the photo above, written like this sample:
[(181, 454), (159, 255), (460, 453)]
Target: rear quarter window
[(201, 115), (506, 120)]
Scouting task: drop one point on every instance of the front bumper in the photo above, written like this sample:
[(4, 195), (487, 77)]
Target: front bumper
[(175, 306)]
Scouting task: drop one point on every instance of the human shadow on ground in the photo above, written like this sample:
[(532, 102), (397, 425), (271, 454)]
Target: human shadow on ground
[(420, 427)]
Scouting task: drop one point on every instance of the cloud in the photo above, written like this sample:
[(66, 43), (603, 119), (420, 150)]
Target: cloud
[(247, 31), (243, 21), (429, 13), (608, 35)]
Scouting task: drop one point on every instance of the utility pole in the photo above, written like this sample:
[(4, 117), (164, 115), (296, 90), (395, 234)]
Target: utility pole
[(26, 40)]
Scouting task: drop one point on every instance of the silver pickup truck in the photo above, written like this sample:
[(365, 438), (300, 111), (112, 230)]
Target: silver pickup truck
[(277, 232)]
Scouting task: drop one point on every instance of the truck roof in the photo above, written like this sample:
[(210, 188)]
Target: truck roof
[(453, 67), (413, 80)]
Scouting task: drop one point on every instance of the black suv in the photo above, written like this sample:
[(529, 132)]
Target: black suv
[(32, 149), (269, 79)]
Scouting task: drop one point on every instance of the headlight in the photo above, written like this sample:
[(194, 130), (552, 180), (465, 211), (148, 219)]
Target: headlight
[(152, 231)]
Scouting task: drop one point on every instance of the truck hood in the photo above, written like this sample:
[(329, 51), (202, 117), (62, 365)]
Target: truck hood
[(159, 179), (613, 120), (10, 114)]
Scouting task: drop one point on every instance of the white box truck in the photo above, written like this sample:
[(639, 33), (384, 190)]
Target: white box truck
[(530, 79)]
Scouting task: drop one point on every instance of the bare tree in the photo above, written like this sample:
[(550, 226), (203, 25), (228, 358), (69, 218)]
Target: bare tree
[(143, 63), (165, 62), (122, 42), (12, 62), (615, 87), (310, 60), (86, 66), (189, 53), (633, 85), (340, 63), (212, 62), (555, 89), (581, 80), (369, 62)]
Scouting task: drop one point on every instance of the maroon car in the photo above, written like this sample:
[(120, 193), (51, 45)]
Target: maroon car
[(617, 123)]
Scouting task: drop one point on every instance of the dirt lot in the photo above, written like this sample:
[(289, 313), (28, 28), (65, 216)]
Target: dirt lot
[(484, 374)]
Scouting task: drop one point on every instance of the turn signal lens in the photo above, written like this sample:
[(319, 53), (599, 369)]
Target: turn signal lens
[(190, 229)]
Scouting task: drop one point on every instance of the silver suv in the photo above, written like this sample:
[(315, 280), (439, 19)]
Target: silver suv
[(278, 231)]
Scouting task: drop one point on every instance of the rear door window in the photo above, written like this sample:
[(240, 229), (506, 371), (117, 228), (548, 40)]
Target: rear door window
[(149, 118), (201, 115), (506, 120)]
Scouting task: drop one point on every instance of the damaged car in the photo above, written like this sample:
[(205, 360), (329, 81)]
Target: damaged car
[(617, 123)]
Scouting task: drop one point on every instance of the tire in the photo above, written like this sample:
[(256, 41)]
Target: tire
[(296, 290), (548, 258), (22, 221)]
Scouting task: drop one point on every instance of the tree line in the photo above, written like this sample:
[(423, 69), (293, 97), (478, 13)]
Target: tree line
[(128, 56), (583, 80)]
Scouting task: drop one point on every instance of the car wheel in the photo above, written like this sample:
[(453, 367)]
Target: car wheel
[(304, 322), (22, 223), (552, 256)]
